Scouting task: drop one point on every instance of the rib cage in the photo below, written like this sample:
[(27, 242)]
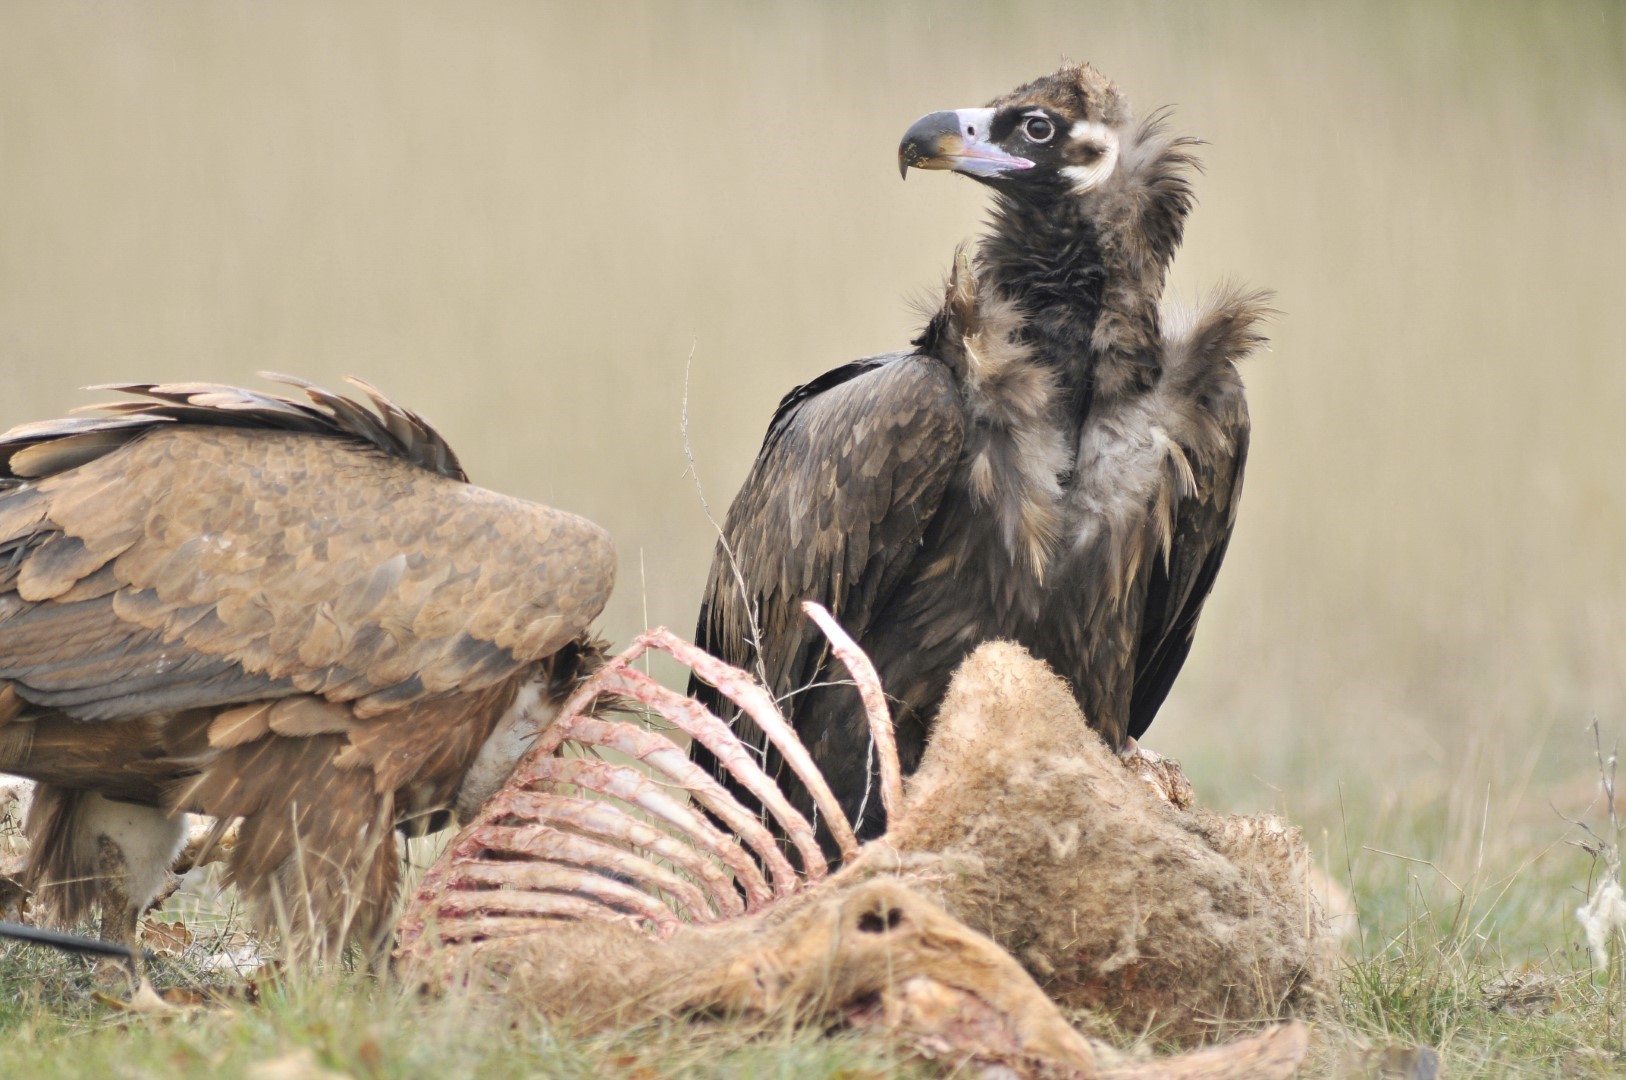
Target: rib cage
[(580, 837)]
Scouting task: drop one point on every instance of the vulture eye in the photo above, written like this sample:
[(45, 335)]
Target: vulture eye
[(1038, 129)]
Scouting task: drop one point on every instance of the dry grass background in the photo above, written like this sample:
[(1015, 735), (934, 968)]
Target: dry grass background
[(522, 217)]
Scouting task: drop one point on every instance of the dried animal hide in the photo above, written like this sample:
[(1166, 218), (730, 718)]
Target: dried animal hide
[(1024, 825), (1027, 869)]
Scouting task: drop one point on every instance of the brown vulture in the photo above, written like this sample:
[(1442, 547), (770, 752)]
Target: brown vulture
[(1057, 461), (298, 615)]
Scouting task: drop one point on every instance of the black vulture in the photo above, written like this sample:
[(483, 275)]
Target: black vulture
[(1057, 461), (299, 614)]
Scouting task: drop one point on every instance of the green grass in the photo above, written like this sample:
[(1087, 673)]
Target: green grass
[(50, 1026), (1487, 966), (1467, 939)]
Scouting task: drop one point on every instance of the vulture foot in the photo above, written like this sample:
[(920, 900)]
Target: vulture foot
[(1163, 775)]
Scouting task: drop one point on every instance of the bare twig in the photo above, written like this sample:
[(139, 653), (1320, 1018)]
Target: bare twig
[(1604, 913), (722, 538)]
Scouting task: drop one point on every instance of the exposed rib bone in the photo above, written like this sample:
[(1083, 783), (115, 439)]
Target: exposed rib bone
[(634, 788), (700, 724), (658, 752), (451, 929), (868, 681), (602, 819), (536, 852), (750, 696), (542, 841), (469, 910), (528, 881)]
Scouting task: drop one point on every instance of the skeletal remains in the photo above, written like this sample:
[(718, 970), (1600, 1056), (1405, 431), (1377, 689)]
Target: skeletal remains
[(1026, 873)]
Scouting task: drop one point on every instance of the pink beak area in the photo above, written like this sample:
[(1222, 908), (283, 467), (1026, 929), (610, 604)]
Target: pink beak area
[(956, 140)]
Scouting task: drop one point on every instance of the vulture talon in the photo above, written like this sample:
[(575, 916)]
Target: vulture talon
[(1163, 775)]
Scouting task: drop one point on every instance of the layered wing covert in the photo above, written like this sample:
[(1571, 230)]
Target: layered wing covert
[(852, 469), (210, 545), (1206, 415)]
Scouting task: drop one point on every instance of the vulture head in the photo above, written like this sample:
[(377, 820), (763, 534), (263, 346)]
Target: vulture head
[(1090, 204), (1056, 136)]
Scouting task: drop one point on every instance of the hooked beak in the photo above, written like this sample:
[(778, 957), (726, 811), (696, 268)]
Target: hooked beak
[(956, 140)]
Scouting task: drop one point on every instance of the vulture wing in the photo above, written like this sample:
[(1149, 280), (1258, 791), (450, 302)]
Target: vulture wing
[(1206, 414), (327, 566), (852, 469), (212, 545), (1176, 592)]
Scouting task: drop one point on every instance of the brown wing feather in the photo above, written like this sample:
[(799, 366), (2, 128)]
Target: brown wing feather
[(1210, 423), (317, 841), (853, 467), (329, 568), (1176, 592), (222, 562)]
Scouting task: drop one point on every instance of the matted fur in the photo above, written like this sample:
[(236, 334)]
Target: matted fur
[(1021, 830), (1025, 826)]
